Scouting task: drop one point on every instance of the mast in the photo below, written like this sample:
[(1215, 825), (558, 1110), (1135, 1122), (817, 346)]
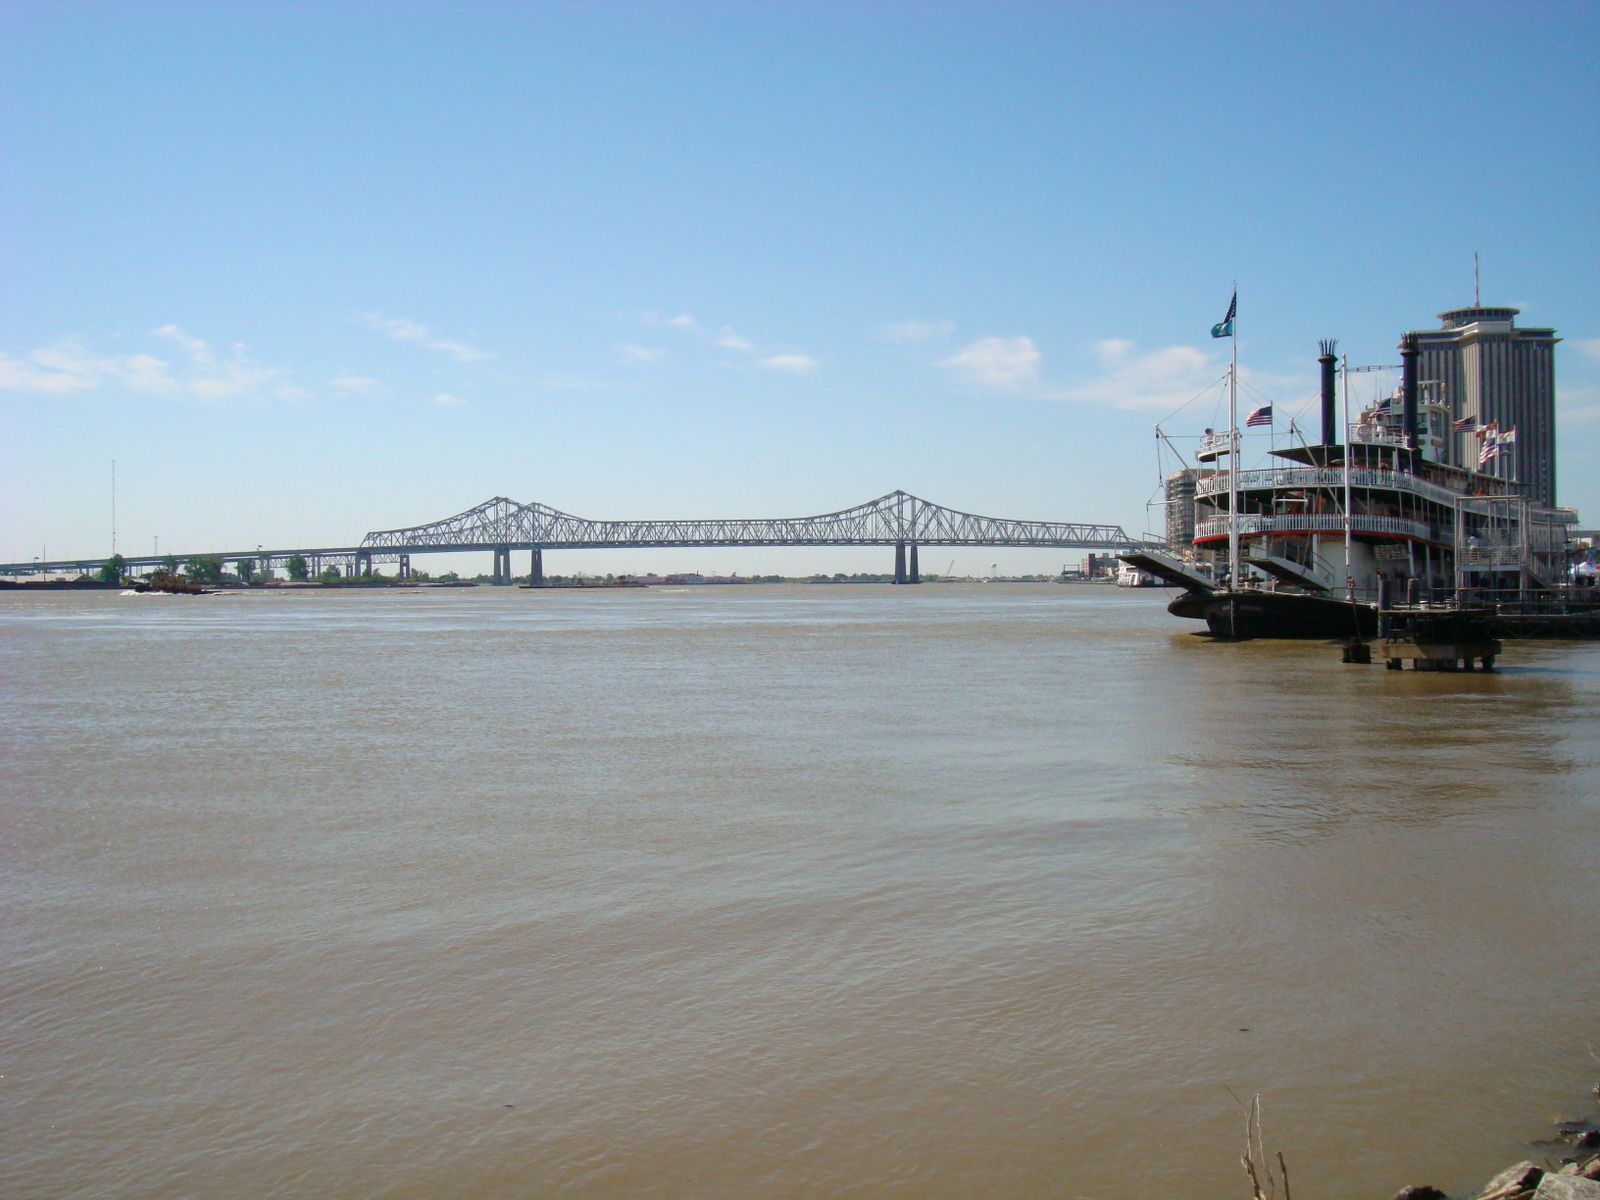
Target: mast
[(1233, 450), (1349, 578)]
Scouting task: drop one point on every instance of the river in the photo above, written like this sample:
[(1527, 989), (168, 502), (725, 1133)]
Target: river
[(774, 891)]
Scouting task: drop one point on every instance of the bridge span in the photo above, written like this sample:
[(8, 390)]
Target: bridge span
[(502, 526)]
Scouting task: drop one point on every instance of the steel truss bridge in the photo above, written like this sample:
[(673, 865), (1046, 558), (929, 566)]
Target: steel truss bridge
[(502, 526)]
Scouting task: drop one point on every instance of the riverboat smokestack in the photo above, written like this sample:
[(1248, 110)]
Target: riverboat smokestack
[(1330, 427), (1408, 388)]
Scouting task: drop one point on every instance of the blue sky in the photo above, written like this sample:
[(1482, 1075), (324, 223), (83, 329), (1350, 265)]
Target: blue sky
[(307, 270)]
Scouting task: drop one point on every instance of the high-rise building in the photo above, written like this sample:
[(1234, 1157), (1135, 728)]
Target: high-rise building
[(1180, 488), (1488, 369)]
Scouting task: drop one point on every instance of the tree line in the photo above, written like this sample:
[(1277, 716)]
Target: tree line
[(210, 568)]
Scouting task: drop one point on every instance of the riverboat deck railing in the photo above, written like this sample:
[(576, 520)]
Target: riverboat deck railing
[(1491, 556), (1562, 598), (1251, 524), (1369, 433), (1330, 478)]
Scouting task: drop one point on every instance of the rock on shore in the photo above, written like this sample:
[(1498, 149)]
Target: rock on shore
[(1567, 1187), (1578, 1178)]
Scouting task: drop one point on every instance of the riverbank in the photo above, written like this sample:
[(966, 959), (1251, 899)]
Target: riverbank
[(1568, 1168)]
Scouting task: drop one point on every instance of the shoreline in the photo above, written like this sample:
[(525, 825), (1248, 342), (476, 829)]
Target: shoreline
[(1569, 1170)]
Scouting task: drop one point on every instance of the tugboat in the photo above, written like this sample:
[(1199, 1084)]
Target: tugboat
[(1324, 540), (174, 585)]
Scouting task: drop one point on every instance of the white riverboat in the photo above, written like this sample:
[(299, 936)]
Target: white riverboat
[(1130, 576), (1320, 541)]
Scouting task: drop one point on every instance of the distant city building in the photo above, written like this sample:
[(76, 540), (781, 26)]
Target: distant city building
[(1493, 372), (1180, 508), (1099, 566)]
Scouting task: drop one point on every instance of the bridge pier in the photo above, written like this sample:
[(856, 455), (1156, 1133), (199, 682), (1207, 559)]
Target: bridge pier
[(502, 566), (404, 571), (899, 562), (536, 567), (916, 575)]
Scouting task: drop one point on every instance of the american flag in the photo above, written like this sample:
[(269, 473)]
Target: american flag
[(1261, 416), (1465, 425), (1496, 442)]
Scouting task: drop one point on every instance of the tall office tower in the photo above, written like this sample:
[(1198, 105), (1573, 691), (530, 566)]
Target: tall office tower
[(1180, 509), (1490, 370)]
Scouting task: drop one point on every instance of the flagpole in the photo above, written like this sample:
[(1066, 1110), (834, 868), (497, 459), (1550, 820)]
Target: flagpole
[(1349, 575), (1233, 450)]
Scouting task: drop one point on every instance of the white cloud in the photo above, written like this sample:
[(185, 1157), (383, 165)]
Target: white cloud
[(235, 378), (69, 365), (142, 373), (795, 364), (1113, 350), (918, 331), (1161, 379), (197, 350), (403, 329), (354, 383), (725, 338), (447, 398), (654, 320), (998, 362), (57, 376), (399, 328), (460, 351), (1578, 404), (1590, 346)]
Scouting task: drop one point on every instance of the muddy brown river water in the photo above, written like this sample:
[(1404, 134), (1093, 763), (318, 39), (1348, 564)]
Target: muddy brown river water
[(774, 891)]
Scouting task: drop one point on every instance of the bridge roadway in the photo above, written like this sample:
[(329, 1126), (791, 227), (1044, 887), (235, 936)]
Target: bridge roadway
[(502, 526)]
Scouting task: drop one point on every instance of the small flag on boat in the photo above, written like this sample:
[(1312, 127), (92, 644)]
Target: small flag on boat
[(1465, 425), (1495, 442), (1488, 432), (1225, 328), (1261, 416)]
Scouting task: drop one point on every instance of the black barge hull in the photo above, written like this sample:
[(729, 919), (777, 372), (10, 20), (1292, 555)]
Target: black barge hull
[(1276, 615), (1293, 615)]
